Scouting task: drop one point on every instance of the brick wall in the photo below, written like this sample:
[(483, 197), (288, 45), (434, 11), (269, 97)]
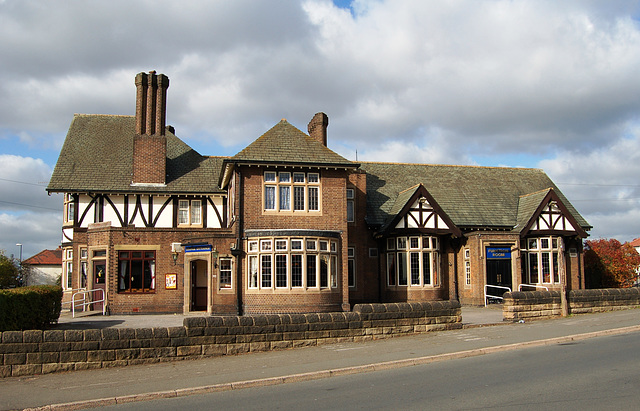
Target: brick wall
[(35, 352), (521, 305)]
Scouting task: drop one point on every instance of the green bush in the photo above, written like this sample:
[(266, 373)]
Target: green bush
[(30, 308)]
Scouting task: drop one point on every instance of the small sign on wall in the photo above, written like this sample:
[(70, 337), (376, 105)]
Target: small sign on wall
[(171, 281)]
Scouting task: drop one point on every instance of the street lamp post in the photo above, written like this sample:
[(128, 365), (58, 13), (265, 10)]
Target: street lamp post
[(20, 268)]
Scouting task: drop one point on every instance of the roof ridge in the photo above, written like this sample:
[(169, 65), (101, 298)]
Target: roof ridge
[(537, 192), (450, 165), (415, 186), (102, 115)]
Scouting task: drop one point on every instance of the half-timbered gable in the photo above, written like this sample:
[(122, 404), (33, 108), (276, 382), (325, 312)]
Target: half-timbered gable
[(544, 213), (415, 210)]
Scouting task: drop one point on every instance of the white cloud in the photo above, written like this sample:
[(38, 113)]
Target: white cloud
[(27, 214), (603, 185)]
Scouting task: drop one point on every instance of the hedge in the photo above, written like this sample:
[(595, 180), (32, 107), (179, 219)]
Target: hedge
[(30, 308)]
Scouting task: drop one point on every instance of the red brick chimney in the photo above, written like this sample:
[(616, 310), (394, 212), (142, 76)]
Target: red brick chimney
[(150, 143), (318, 128)]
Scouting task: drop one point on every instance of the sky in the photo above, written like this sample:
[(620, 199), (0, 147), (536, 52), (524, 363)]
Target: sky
[(518, 83)]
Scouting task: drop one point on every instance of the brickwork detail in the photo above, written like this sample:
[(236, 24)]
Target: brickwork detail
[(41, 352)]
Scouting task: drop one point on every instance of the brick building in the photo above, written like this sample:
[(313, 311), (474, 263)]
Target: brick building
[(287, 225)]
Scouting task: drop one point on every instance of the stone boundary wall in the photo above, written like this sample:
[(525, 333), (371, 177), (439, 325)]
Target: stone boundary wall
[(40, 352), (520, 305)]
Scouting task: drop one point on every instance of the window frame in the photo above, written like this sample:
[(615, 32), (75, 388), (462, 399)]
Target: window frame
[(291, 192), (192, 209), (412, 261), (296, 267), (143, 259)]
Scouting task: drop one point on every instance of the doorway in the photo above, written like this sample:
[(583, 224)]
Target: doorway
[(498, 271), (99, 283), (199, 286)]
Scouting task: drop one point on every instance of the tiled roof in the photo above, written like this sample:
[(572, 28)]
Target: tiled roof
[(285, 144), (527, 206), (45, 257), (470, 196), (97, 155), (636, 242)]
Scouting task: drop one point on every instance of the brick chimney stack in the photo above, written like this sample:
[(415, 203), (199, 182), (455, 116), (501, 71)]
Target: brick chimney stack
[(318, 128), (150, 142)]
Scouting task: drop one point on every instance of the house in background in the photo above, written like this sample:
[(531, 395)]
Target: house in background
[(289, 226), (43, 268)]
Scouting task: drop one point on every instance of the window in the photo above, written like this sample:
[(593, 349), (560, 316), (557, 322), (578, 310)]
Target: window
[(297, 192), (225, 272), (265, 272), (412, 261), (350, 205), (83, 268), (540, 260), (253, 271), (189, 212), (467, 267), (281, 270), (67, 265), (351, 266), (296, 270), (283, 263), (136, 271), (467, 272), (69, 208)]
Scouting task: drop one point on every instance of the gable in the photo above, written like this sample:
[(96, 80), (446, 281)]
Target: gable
[(286, 145), (550, 216), (416, 209)]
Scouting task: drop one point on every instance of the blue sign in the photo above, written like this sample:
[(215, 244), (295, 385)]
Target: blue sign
[(198, 248), (499, 253)]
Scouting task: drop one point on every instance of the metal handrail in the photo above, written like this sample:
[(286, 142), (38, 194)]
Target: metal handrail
[(72, 291), (84, 300), (499, 297), (532, 285)]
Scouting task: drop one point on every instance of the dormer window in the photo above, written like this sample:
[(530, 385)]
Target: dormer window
[(291, 192)]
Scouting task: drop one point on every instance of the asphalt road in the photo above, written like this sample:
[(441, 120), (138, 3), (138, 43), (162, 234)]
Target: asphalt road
[(593, 374)]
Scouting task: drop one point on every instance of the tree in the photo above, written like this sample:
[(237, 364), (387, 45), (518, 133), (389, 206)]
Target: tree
[(8, 271), (608, 263)]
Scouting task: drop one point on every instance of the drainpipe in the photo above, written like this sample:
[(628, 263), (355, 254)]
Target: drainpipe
[(237, 251), (455, 245)]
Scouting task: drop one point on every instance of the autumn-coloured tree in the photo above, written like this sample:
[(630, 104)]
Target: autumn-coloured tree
[(608, 263)]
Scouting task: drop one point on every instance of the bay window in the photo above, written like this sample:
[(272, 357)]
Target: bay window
[(412, 261), (290, 263)]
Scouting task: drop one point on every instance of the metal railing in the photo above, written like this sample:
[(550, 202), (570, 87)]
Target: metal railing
[(83, 301), (72, 291), (497, 297), (532, 285)]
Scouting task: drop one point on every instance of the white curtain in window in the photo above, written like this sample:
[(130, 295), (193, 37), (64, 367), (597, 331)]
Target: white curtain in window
[(285, 198), (269, 198), (123, 273), (152, 267)]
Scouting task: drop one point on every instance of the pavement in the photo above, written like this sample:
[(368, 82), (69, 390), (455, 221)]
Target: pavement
[(471, 316), (481, 336)]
